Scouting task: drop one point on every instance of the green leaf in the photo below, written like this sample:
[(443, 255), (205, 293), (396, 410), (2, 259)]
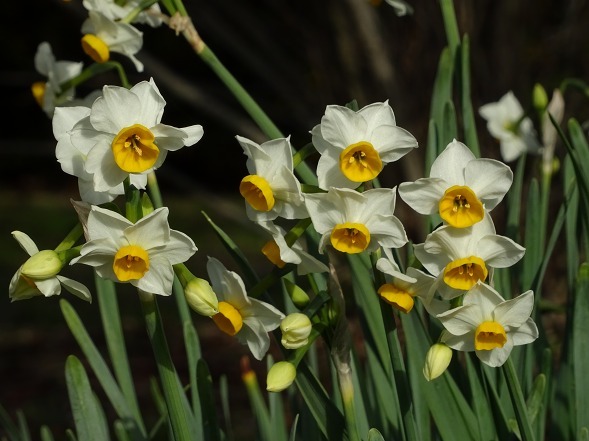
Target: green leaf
[(89, 425), (581, 348), (517, 399), (193, 355), (533, 238), (468, 120), (12, 431), (46, 434), (206, 393), (293, 429), (374, 435), (480, 401)]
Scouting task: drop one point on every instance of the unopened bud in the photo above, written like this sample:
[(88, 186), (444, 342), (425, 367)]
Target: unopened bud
[(295, 328), (539, 97), (298, 296), (201, 297), (437, 360), (42, 265), (280, 376)]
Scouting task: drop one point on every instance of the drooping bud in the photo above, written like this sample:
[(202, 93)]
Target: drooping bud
[(295, 328), (201, 297), (280, 376), (42, 265)]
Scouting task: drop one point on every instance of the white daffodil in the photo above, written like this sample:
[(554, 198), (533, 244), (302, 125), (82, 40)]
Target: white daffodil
[(116, 10), (248, 319), (463, 256), (354, 222), (490, 325), (460, 187), (39, 275), (400, 290), (103, 35), (279, 253), (508, 124), (123, 135), (355, 146), (72, 159), (271, 189), (48, 93), (141, 254)]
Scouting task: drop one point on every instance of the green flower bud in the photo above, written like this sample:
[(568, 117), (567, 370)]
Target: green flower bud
[(42, 265), (295, 328), (297, 295), (280, 376), (539, 97), (201, 297), (437, 360)]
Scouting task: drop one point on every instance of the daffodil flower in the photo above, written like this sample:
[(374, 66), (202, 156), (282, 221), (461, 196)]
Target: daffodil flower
[(400, 290), (271, 189), (279, 253), (103, 36), (114, 10), (354, 222), (141, 254), (39, 275), (248, 319), (48, 94), (123, 135), (508, 124), (463, 256), (490, 325), (460, 187), (355, 146)]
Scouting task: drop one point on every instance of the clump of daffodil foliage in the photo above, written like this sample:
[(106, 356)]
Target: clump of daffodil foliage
[(372, 331)]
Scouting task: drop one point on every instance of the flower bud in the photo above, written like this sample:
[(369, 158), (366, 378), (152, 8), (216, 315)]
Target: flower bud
[(42, 265), (539, 97), (437, 360), (280, 376), (295, 328), (298, 296), (201, 297)]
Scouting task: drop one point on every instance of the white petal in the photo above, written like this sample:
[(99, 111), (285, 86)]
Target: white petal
[(101, 164), (159, 278), (496, 357), (228, 286), (329, 174), (152, 102), (459, 321), (76, 288), (25, 242), (424, 194), (103, 223), (324, 214), (464, 342), (378, 114), (515, 312), (268, 316), (252, 333), (49, 287), (450, 164), (499, 251), (150, 231), (341, 126), (489, 179), (526, 333), (115, 110), (386, 231), (392, 142), (178, 249), (485, 298)]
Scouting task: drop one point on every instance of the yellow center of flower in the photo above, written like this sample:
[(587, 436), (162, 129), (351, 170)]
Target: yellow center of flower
[(95, 48), (131, 263), (464, 273), (350, 237), (460, 207), (134, 149), (228, 319), (38, 88), (360, 162), (272, 252), (398, 298), (257, 192), (489, 335)]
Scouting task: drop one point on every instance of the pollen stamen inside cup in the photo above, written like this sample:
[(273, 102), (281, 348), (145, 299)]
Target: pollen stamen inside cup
[(489, 335), (460, 207), (131, 262), (465, 273), (350, 237), (257, 192), (360, 162), (228, 319), (134, 149)]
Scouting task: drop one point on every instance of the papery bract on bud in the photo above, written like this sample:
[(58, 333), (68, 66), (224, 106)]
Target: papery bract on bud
[(271, 188), (490, 325), (140, 253), (39, 275), (507, 123), (244, 317), (355, 146), (355, 222), (460, 187)]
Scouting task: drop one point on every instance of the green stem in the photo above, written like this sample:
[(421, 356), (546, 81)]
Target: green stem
[(92, 71), (71, 238), (347, 390), (449, 16), (154, 190), (173, 393), (518, 401)]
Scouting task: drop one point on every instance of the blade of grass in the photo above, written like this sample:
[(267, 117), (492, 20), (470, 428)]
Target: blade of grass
[(581, 349)]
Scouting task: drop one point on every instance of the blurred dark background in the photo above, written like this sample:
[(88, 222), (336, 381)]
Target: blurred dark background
[(295, 58)]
